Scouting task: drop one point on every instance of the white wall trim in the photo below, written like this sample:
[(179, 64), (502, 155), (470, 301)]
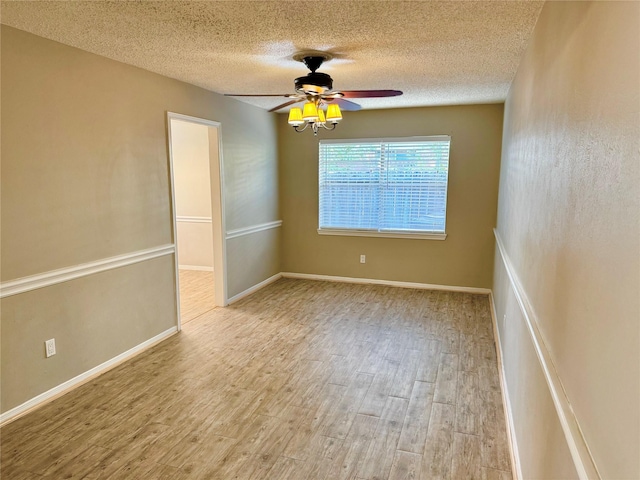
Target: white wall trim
[(75, 382), (239, 232), (391, 283), (195, 267), (188, 219), (255, 288), (582, 458), (330, 278), (46, 279), (516, 468)]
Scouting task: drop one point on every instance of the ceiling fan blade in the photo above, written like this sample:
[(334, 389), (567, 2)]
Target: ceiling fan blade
[(256, 94), (346, 105), (286, 104), (370, 93)]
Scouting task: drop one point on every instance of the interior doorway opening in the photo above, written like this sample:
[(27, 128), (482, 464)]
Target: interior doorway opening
[(197, 215)]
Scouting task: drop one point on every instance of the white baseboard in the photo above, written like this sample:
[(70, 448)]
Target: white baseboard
[(75, 382), (516, 468), (372, 281), (391, 283), (195, 267), (254, 289)]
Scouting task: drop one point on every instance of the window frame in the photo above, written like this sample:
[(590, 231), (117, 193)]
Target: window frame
[(386, 233)]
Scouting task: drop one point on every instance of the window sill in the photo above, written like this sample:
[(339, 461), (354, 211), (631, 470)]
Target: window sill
[(370, 233)]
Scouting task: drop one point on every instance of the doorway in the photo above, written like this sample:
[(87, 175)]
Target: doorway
[(196, 187)]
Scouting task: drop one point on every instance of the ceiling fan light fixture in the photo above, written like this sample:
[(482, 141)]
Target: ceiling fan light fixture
[(334, 115), (310, 112), (314, 117), (317, 89), (295, 116)]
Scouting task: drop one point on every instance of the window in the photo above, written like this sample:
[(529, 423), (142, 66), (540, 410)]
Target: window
[(384, 187)]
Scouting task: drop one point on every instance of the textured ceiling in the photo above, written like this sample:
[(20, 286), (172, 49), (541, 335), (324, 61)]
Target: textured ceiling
[(437, 53)]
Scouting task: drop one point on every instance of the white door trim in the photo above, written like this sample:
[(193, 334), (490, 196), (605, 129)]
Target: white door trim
[(217, 209)]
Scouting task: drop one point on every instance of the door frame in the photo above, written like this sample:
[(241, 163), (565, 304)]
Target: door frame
[(216, 172)]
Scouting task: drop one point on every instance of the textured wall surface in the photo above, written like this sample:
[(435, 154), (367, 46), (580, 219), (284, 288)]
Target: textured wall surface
[(465, 258), (569, 216), (85, 176)]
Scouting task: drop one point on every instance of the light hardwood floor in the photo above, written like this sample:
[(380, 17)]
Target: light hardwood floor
[(196, 294), (302, 380)]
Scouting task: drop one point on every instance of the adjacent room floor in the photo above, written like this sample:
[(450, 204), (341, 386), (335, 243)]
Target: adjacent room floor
[(196, 294), (302, 380)]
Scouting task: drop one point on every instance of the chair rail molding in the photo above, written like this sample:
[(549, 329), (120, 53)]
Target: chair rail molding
[(577, 444), (52, 277), (239, 232), (188, 219)]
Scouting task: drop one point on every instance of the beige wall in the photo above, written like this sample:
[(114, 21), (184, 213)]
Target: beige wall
[(192, 189), (192, 186), (542, 446), (93, 319), (569, 216), (465, 258), (194, 245), (85, 177)]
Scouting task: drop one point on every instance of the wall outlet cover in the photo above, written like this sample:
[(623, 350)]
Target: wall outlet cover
[(50, 347)]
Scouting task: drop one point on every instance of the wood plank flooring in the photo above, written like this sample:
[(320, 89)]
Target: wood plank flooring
[(302, 380), (196, 294)]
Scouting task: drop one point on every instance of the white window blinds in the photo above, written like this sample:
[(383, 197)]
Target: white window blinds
[(387, 185)]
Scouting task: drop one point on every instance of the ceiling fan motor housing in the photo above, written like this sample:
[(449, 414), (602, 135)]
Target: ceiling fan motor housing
[(314, 83)]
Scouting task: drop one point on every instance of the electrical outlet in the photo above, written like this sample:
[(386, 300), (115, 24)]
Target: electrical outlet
[(50, 347), (363, 258)]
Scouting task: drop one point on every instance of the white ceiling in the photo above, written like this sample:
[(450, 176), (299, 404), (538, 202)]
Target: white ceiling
[(437, 53)]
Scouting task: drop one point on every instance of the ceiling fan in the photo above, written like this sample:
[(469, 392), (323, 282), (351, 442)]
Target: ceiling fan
[(316, 89)]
